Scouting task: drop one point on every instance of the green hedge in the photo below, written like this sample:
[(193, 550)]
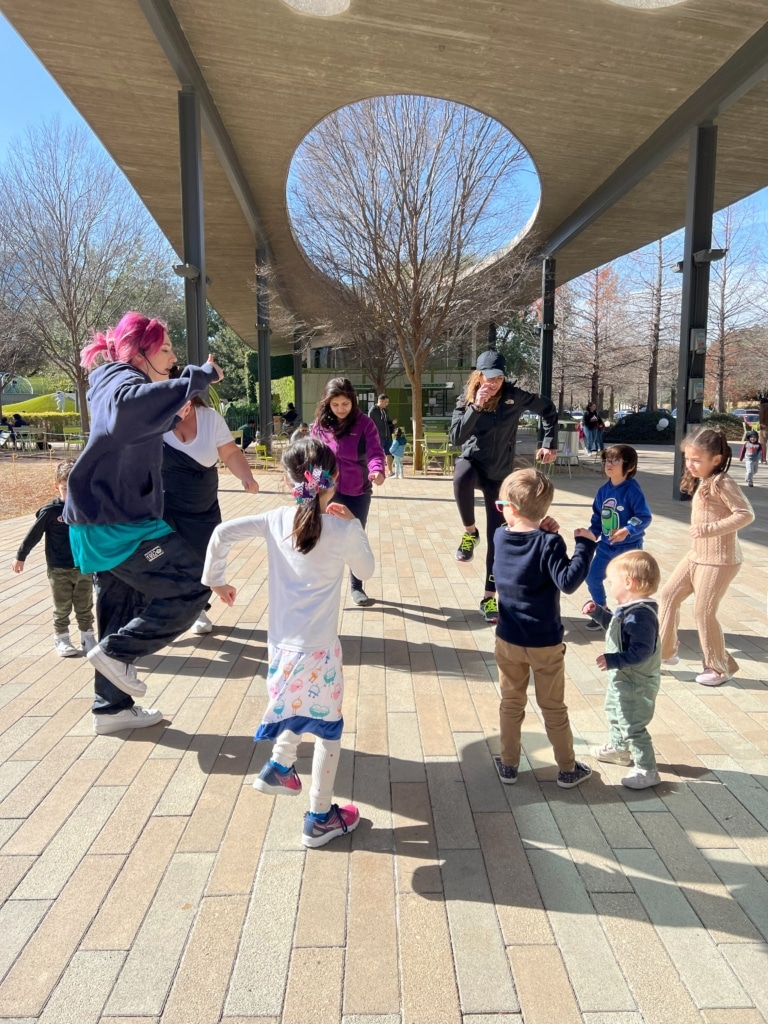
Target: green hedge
[(51, 421)]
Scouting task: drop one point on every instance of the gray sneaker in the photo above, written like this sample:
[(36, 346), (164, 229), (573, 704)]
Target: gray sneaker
[(123, 676), (580, 773), (130, 718)]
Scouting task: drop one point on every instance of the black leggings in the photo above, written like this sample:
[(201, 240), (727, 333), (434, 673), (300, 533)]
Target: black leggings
[(359, 505), (466, 477)]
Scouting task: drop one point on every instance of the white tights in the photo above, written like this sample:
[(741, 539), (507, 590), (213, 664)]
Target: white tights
[(325, 763)]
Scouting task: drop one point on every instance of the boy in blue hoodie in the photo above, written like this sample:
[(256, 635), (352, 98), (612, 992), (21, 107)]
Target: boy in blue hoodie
[(620, 517)]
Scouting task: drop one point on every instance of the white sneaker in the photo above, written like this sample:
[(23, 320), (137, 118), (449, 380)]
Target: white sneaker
[(202, 625), (132, 718), (641, 778), (63, 646), (610, 755), (123, 676), (87, 640)]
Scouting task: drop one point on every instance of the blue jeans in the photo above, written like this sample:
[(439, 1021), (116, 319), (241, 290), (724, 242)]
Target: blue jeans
[(604, 553), (144, 603)]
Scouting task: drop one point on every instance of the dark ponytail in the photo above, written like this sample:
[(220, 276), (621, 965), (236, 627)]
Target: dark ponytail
[(300, 461)]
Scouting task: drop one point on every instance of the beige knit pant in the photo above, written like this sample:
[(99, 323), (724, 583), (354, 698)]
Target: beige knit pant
[(708, 584)]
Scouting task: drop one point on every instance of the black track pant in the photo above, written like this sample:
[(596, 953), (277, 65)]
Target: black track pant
[(466, 477)]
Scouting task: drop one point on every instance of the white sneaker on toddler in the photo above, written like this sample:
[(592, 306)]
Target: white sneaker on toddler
[(641, 778), (64, 646), (87, 640), (610, 755)]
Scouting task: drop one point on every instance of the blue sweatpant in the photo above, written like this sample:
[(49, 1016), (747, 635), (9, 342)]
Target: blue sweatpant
[(604, 554)]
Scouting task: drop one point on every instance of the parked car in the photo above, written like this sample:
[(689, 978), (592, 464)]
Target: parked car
[(748, 415), (705, 413)]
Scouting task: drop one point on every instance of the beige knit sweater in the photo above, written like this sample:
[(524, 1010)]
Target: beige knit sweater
[(719, 509)]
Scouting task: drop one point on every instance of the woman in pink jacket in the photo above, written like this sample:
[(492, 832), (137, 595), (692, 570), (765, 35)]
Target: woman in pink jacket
[(353, 436)]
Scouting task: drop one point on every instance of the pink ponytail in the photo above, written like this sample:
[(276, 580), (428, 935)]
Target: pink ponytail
[(133, 334)]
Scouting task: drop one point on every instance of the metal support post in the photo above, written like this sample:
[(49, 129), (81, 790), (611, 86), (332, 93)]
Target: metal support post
[(546, 347), (192, 231), (262, 329), (298, 373), (699, 208)]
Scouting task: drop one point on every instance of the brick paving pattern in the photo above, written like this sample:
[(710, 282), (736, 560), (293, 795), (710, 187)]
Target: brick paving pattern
[(142, 879)]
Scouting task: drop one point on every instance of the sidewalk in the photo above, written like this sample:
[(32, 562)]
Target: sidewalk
[(146, 881)]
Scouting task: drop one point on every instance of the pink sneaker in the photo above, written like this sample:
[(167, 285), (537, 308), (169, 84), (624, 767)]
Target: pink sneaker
[(711, 678), (674, 660), (338, 822)]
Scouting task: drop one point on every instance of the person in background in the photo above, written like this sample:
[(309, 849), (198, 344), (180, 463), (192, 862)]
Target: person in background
[(191, 452), (309, 545), (249, 433), (290, 416), (397, 451), (147, 579), (752, 454), (354, 440), (632, 660), (70, 588), (301, 431), (385, 426), (593, 428), (484, 426)]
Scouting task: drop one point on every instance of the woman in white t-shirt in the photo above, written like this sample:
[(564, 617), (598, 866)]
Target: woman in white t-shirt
[(191, 452)]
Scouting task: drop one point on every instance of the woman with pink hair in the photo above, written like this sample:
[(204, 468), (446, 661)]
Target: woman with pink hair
[(147, 579)]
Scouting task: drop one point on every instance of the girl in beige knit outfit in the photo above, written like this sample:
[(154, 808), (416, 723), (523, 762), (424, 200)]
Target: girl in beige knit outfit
[(719, 509)]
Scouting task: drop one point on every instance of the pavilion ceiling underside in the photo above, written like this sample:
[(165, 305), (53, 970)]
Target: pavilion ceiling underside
[(582, 85)]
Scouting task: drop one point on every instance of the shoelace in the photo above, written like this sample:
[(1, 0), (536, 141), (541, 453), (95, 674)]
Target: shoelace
[(468, 542), (335, 812)]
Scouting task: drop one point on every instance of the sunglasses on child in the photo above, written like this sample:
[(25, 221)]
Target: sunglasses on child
[(500, 505)]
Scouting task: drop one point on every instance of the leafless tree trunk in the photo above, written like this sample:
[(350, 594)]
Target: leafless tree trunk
[(400, 200), (86, 249)]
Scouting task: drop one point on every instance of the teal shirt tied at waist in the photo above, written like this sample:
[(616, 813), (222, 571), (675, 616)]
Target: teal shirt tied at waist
[(98, 547)]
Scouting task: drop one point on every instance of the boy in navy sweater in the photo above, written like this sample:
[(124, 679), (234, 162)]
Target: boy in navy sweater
[(632, 660), (70, 588), (531, 567), (620, 517)]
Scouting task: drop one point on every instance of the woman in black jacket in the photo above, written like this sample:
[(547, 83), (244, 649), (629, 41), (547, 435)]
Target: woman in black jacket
[(593, 428), (485, 425)]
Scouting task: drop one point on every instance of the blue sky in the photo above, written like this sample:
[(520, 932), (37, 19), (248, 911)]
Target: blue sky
[(30, 93)]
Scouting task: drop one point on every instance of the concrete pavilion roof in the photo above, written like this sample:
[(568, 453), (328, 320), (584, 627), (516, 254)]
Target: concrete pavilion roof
[(597, 91)]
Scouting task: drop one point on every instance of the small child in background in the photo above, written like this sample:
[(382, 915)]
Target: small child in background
[(397, 451), (620, 517), (301, 431), (632, 660), (309, 546), (751, 454), (69, 587), (531, 567)]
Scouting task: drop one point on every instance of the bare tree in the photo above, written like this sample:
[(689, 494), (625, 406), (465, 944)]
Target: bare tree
[(400, 200), (18, 354), (85, 247), (736, 296)]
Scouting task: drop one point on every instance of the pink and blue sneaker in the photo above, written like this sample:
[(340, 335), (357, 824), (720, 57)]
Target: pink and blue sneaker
[(276, 780), (320, 829)]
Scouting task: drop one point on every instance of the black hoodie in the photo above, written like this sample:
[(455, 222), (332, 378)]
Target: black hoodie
[(117, 478)]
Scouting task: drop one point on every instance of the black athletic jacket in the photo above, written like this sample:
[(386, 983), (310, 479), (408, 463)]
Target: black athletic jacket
[(488, 439)]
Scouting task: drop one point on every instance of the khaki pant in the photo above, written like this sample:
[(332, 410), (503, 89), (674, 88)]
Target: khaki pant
[(71, 589), (548, 667), (708, 584)]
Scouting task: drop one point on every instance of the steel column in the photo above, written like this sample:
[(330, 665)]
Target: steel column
[(262, 329), (192, 231), (699, 208), (298, 372), (546, 349)]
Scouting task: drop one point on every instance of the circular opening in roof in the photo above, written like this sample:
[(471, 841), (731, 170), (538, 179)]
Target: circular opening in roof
[(647, 4), (319, 8), (404, 179)]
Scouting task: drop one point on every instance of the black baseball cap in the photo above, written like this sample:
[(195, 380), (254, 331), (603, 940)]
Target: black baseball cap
[(491, 364)]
